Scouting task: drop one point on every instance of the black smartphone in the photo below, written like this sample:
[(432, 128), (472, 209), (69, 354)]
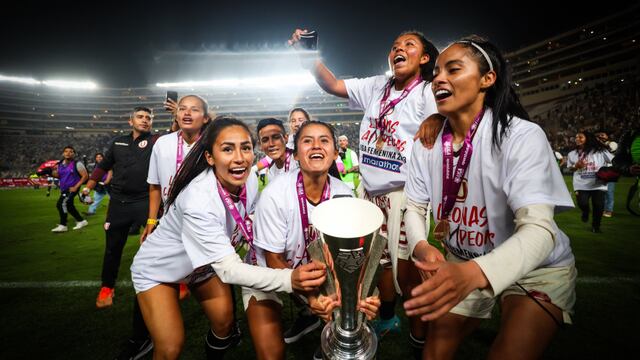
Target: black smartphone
[(173, 95), (309, 40)]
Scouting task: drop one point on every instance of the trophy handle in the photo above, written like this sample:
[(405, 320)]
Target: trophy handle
[(316, 250), (369, 277)]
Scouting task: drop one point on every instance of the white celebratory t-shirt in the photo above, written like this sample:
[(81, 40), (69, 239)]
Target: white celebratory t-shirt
[(383, 170), (162, 166), (585, 178), (278, 227), (496, 184), (274, 171), (196, 230)]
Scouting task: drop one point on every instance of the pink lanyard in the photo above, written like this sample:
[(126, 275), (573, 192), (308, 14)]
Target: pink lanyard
[(302, 205), (245, 224), (386, 107), (287, 160), (451, 179), (179, 151)]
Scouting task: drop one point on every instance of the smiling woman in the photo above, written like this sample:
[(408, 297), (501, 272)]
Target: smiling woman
[(206, 222)]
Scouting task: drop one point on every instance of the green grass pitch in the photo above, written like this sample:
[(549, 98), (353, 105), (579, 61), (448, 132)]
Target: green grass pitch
[(43, 317)]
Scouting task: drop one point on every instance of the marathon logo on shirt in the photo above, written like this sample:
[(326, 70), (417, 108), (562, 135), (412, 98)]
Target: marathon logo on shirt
[(384, 164)]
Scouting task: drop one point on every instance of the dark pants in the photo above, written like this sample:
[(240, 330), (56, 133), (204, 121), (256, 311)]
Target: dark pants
[(120, 216), (65, 206), (597, 200)]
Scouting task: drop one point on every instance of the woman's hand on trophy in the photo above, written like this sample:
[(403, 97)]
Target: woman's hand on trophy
[(294, 41), (323, 306), (369, 307), (429, 129), (309, 276), (449, 284)]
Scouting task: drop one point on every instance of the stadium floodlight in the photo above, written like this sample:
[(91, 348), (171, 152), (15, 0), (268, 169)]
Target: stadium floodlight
[(21, 80), (66, 84), (297, 79)]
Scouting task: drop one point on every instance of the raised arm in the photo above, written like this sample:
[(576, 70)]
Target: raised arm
[(324, 77)]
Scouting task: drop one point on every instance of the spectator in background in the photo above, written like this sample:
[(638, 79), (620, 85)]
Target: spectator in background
[(612, 146), (589, 156), (627, 159), (72, 174), (351, 165), (102, 187)]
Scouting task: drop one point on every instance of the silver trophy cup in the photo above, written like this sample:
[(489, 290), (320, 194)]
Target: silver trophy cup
[(350, 247)]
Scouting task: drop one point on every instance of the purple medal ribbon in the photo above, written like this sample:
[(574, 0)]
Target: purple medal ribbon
[(244, 224), (386, 107), (302, 205), (179, 151), (452, 179)]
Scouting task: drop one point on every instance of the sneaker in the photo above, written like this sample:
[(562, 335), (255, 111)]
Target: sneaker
[(584, 218), (184, 292), (596, 230), (81, 224), (317, 355), (134, 350), (303, 325), (607, 214), (60, 229), (383, 327), (105, 297)]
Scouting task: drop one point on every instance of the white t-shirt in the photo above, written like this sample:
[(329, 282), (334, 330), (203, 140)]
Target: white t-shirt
[(277, 225), (274, 171), (383, 170), (496, 184), (195, 231), (585, 178), (162, 166)]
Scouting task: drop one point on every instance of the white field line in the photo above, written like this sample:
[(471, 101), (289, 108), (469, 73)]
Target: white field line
[(587, 280)]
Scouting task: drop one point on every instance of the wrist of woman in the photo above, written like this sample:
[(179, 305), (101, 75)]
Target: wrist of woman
[(476, 275)]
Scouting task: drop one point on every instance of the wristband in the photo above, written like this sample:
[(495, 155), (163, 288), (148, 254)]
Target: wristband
[(152, 221), (264, 162)]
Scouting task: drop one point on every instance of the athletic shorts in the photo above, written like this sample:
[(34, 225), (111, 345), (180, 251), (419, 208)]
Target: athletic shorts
[(248, 293), (393, 206), (198, 276), (554, 285)]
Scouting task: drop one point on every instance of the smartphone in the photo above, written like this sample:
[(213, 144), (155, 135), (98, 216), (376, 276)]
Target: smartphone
[(173, 95), (309, 40)]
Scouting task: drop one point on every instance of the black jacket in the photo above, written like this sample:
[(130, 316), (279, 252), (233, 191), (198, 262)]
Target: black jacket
[(623, 161)]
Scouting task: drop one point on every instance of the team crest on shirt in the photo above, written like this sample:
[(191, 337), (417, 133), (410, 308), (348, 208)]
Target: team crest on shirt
[(143, 144)]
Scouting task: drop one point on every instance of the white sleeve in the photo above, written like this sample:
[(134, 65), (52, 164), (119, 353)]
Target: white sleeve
[(231, 270), (532, 175), (354, 158), (418, 185), (153, 177), (523, 252), (204, 234), (571, 159), (608, 156), (270, 225), (417, 223), (360, 91)]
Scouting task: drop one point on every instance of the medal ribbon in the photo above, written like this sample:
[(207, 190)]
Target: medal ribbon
[(452, 179), (302, 205), (386, 107), (179, 150), (243, 224)]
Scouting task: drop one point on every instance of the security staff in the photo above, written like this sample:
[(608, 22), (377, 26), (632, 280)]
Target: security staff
[(128, 157)]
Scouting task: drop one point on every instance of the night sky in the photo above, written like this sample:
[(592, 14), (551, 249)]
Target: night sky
[(113, 42)]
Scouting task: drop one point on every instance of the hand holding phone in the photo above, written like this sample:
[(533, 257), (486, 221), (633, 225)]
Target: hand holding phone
[(171, 101)]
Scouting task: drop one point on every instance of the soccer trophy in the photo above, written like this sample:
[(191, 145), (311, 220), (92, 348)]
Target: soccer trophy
[(350, 247)]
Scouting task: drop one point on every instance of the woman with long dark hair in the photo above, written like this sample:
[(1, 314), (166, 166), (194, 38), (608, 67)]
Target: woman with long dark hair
[(494, 185), (206, 222), (394, 108), (584, 161)]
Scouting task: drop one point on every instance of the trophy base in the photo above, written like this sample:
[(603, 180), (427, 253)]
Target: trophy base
[(337, 344)]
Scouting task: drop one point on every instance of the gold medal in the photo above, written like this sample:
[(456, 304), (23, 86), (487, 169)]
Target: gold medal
[(441, 231), (380, 142)]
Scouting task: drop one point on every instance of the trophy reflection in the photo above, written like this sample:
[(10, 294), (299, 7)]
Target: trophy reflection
[(350, 247)]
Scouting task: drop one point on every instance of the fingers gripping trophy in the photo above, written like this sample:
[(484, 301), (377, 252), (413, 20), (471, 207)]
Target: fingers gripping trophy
[(351, 249)]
